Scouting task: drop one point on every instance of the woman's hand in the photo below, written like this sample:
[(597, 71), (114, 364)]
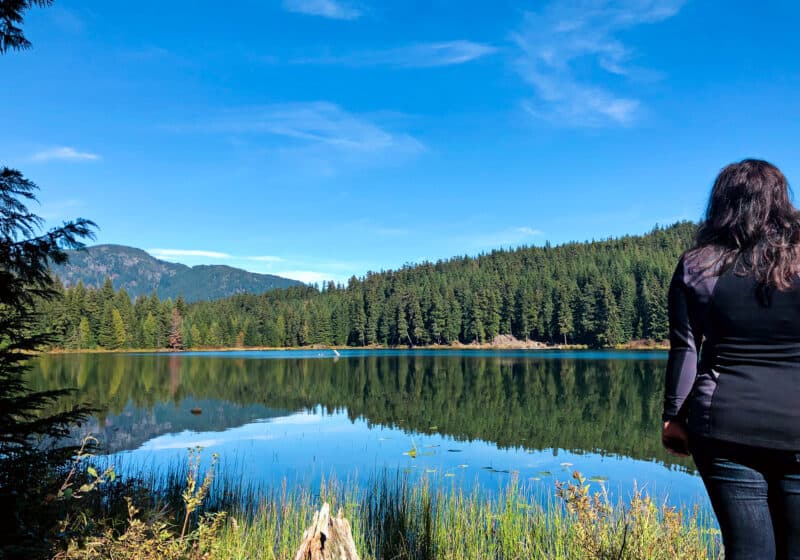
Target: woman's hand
[(675, 438)]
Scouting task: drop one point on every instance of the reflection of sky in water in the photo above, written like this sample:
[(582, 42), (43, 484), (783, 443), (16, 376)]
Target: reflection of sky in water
[(608, 402), (305, 447)]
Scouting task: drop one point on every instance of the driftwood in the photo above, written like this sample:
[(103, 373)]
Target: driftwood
[(328, 538)]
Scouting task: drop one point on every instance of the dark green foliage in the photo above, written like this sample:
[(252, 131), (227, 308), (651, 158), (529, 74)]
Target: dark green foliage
[(24, 259), (29, 431), (141, 274), (11, 17), (602, 293)]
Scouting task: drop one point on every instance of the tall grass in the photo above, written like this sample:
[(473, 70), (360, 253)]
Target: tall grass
[(395, 517)]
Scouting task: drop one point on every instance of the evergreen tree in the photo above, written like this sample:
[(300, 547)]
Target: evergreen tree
[(473, 322), (416, 324), (401, 324), (106, 336), (195, 337), (358, 322), (149, 332), (30, 445), (214, 336), (118, 338), (85, 338), (608, 317), (107, 293), (437, 319), (373, 309), (564, 315), (280, 332), (11, 17)]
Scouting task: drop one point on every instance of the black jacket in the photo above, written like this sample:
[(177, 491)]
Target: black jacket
[(745, 385)]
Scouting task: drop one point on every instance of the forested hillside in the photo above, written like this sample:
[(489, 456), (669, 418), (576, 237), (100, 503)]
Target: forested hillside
[(142, 274), (599, 293)]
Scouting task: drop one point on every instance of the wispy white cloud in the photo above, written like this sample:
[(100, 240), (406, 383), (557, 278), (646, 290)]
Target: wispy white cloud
[(418, 55), (314, 123), (306, 276), (309, 276), (304, 269), (526, 231), (312, 270), (172, 253), (566, 35), (505, 238), (63, 153), (322, 134), (332, 9)]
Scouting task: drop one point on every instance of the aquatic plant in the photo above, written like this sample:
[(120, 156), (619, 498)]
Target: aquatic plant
[(393, 517)]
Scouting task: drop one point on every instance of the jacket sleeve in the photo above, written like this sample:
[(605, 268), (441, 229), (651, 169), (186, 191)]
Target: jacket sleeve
[(684, 339)]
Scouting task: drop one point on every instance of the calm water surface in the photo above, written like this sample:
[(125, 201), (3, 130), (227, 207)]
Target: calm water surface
[(471, 416)]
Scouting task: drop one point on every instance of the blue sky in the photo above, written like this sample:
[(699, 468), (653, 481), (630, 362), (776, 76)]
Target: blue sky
[(318, 139)]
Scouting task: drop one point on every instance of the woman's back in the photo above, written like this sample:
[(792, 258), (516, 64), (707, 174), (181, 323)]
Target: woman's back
[(747, 388)]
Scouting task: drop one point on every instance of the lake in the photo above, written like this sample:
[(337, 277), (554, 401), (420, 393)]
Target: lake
[(456, 417)]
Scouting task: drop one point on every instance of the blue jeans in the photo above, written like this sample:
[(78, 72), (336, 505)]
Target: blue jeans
[(755, 493)]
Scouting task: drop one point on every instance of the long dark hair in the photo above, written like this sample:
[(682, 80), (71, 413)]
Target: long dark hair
[(751, 225)]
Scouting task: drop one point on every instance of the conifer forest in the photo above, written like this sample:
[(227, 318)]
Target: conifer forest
[(599, 294)]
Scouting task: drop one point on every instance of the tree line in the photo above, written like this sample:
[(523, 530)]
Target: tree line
[(599, 293)]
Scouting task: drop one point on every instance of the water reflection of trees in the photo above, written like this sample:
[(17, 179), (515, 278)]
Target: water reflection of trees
[(608, 406)]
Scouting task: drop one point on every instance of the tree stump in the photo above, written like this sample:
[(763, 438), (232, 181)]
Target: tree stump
[(328, 538)]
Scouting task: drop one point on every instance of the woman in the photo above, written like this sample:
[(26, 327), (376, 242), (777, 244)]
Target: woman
[(732, 396)]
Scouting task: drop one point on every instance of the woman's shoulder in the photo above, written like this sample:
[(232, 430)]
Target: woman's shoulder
[(698, 268), (703, 261), (687, 263)]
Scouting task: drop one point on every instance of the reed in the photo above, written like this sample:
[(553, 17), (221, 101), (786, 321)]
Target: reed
[(400, 518)]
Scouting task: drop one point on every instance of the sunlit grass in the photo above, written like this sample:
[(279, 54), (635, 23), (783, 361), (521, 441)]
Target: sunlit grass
[(395, 517)]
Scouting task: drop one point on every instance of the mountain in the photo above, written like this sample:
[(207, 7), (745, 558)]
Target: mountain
[(141, 274)]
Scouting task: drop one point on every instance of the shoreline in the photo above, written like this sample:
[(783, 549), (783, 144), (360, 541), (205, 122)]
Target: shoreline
[(530, 345)]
